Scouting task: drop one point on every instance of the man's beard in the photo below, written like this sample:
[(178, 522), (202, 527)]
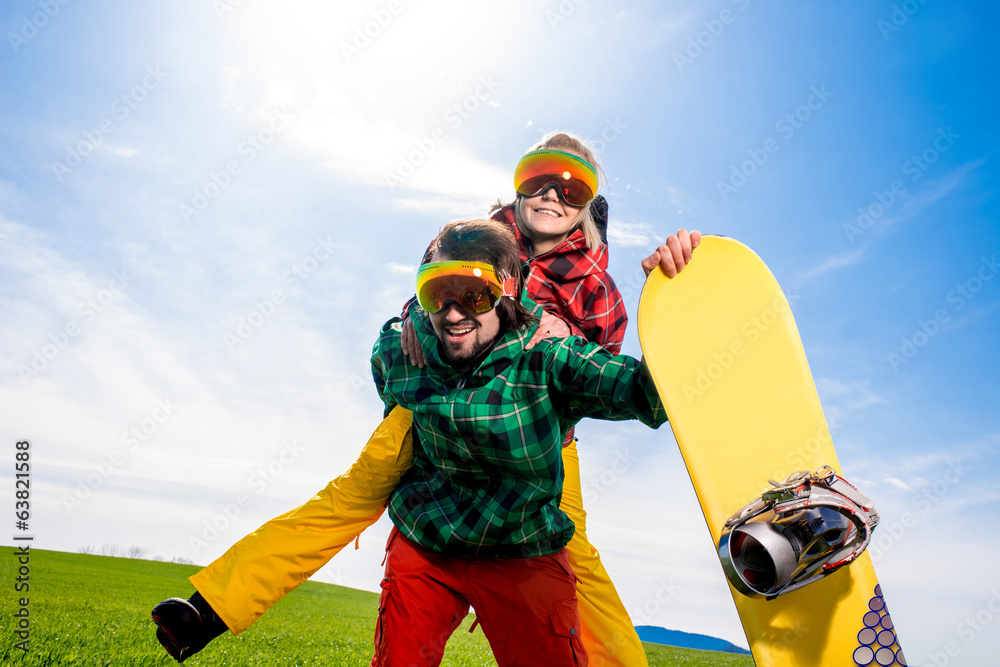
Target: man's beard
[(479, 350)]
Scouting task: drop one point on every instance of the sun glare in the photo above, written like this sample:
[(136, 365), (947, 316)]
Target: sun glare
[(364, 80)]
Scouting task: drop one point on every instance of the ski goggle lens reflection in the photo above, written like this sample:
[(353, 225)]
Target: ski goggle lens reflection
[(472, 285), (574, 177)]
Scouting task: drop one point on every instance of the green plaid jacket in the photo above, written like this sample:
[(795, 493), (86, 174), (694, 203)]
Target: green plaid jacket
[(487, 462)]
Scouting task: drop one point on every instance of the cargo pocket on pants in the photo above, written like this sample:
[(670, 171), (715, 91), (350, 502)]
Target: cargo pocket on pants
[(380, 625), (567, 624)]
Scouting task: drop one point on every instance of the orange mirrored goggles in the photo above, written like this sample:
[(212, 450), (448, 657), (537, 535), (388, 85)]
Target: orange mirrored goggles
[(472, 285), (574, 179)]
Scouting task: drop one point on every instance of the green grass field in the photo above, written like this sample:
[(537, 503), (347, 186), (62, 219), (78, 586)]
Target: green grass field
[(94, 610)]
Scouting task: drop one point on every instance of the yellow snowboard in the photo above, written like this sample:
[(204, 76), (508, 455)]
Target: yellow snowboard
[(727, 360)]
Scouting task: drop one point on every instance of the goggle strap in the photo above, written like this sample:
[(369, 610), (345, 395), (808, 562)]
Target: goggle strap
[(507, 285)]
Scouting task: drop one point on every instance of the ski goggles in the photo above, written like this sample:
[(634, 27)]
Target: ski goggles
[(574, 179), (472, 285)]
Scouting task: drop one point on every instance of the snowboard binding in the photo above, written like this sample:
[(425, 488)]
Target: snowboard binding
[(797, 532)]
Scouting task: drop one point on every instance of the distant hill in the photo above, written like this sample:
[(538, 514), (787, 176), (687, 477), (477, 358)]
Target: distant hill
[(657, 635)]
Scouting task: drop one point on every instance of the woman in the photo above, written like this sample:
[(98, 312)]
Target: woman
[(553, 217), (562, 241)]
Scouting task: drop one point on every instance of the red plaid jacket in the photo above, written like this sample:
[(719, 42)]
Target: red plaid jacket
[(571, 282)]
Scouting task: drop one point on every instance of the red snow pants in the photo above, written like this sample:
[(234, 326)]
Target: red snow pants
[(526, 607)]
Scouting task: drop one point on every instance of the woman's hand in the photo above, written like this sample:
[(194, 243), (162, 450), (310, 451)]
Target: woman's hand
[(549, 326), (674, 254), (411, 346)]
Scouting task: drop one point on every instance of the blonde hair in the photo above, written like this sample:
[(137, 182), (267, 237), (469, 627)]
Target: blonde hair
[(570, 143)]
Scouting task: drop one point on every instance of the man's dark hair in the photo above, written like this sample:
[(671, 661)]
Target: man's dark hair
[(491, 242)]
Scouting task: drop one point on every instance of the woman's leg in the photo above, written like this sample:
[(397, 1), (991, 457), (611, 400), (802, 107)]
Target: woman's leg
[(608, 633), (265, 565)]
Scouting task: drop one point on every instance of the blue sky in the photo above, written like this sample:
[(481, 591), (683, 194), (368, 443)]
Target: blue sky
[(207, 209)]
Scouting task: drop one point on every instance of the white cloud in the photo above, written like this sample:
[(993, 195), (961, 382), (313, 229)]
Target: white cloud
[(402, 269), (303, 373), (898, 483), (623, 234), (359, 117), (834, 263), (929, 194), (144, 403), (842, 399), (229, 79)]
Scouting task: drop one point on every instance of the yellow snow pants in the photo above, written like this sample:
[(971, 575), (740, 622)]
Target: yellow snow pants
[(265, 565)]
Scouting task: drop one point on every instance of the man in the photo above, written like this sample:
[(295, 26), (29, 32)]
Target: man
[(476, 519), (186, 626)]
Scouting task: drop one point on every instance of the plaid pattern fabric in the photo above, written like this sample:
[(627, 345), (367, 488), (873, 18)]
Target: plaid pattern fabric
[(571, 281), (487, 471)]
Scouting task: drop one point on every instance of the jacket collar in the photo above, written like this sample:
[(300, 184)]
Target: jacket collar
[(570, 260)]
